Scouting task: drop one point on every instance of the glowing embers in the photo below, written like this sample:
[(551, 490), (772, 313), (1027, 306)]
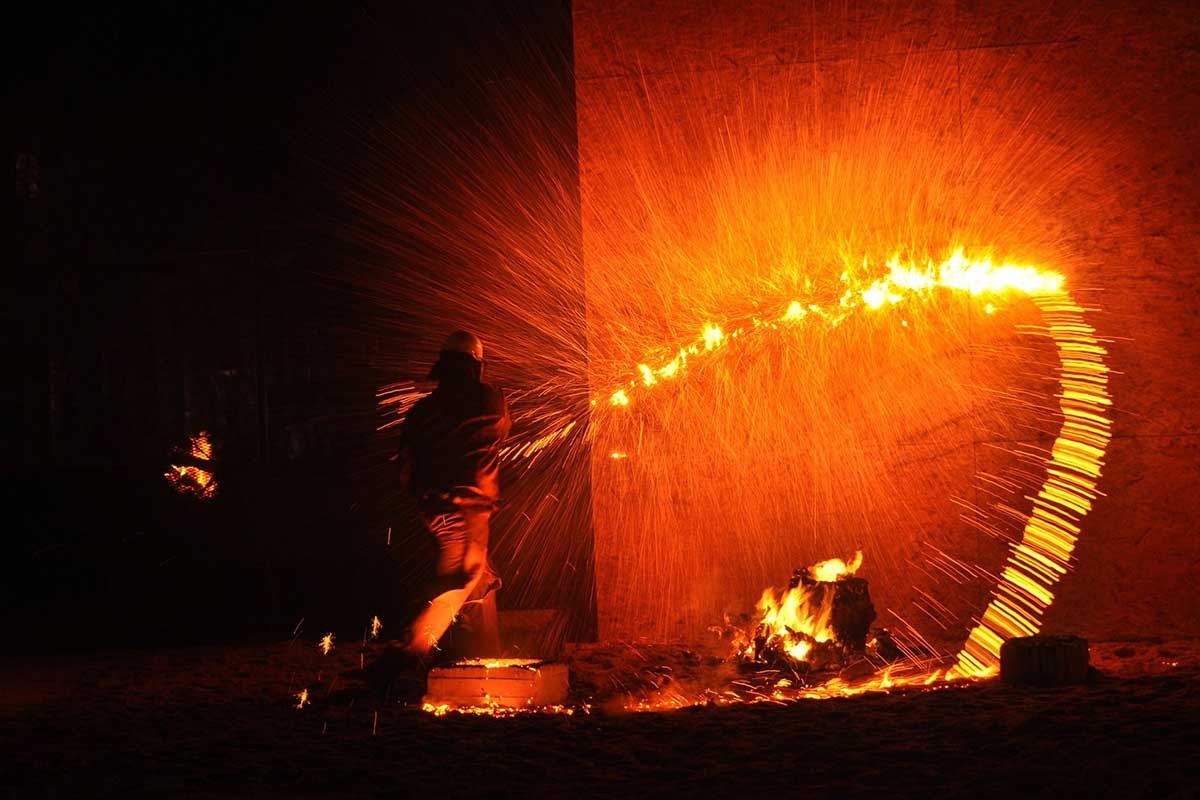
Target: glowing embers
[(192, 479), (777, 688), (498, 687)]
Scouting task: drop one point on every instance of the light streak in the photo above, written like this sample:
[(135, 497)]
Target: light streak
[(1043, 555), (904, 281)]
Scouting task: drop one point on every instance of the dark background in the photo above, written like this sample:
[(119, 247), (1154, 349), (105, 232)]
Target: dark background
[(180, 267)]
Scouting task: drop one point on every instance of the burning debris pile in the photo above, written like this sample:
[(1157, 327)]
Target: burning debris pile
[(194, 476), (820, 623)]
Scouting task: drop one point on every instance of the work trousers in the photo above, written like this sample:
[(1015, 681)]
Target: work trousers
[(465, 590)]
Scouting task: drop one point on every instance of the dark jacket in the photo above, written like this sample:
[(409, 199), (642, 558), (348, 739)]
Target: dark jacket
[(450, 444)]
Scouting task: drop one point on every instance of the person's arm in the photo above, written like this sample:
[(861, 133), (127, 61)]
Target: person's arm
[(505, 424)]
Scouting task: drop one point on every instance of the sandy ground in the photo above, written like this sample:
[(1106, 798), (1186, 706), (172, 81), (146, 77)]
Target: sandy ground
[(221, 721)]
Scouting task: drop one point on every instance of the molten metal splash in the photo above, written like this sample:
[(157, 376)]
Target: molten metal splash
[(734, 208), (1073, 465), (904, 281)]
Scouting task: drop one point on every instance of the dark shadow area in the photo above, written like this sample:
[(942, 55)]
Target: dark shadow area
[(175, 268)]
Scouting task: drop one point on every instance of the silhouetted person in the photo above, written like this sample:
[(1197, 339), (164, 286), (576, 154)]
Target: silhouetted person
[(450, 461)]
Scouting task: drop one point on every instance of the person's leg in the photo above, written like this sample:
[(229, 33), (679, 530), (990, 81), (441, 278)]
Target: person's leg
[(476, 633), (462, 564)]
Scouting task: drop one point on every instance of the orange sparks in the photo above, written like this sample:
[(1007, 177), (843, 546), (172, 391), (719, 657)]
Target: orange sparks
[(326, 644), (1043, 555), (903, 281)]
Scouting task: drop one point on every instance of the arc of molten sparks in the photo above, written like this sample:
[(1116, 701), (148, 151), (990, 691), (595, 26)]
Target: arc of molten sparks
[(1042, 556), (903, 279)]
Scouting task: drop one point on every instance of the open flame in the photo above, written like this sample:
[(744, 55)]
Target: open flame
[(800, 616), (835, 568), (189, 478)]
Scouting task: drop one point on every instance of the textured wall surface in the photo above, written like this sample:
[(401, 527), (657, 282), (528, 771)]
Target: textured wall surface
[(1060, 132)]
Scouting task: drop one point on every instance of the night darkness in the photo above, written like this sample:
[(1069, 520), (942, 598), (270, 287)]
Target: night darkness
[(188, 263), (251, 228)]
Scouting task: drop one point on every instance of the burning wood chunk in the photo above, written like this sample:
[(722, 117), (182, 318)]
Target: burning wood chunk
[(853, 612), (820, 623), (883, 646), (1044, 660)]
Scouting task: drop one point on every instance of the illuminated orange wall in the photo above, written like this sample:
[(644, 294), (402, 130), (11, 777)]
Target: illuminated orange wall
[(732, 154)]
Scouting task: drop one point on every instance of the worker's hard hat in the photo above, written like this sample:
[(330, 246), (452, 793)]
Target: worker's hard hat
[(464, 342)]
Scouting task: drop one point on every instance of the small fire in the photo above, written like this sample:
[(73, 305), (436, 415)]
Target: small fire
[(190, 479), (800, 616), (326, 644)]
